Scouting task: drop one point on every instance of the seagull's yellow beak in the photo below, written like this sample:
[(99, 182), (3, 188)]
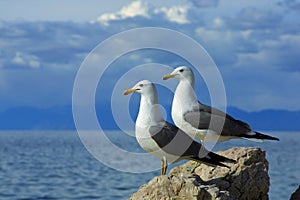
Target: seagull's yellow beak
[(166, 77), (128, 91)]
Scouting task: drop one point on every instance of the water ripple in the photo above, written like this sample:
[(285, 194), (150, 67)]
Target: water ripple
[(55, 165)]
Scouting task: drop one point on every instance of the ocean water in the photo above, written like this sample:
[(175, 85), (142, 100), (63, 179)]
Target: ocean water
[(56, 165)]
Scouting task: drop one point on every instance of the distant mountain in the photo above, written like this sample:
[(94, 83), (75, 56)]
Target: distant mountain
[(61, 118), (273, 120)]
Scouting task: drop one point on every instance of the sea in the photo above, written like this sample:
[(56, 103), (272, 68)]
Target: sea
[(42, 165)]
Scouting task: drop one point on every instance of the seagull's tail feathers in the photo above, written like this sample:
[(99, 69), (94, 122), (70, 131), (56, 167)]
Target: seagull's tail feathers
[(259, 136), (214, 159)]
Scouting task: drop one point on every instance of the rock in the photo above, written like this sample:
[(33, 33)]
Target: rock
[(173, 187), (296, 194), (247, 179)]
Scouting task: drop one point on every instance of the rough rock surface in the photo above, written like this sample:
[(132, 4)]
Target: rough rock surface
[(247, 179), (296, 194)]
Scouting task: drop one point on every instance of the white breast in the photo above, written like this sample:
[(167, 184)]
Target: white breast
[(144, 139)]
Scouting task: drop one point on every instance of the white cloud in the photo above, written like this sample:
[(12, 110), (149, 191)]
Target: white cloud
[(218, 22), (255, 18), (135, 9), (177, 14), (246, 51), (18, 59), (250, 43), (25, 60), (220, 44)]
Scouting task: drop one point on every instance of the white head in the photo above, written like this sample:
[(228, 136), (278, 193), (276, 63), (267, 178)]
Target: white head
[(143, 87), (149, 102), (181, 73), (184, 94)]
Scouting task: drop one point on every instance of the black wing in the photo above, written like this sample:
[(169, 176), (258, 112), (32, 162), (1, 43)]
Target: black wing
[(173, 140), (206, 117), (176, 142)]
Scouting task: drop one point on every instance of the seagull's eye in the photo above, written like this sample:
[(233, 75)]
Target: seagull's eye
[(141, 85), (181, 70)]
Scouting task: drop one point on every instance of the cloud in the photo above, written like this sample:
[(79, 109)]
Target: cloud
[(177, 14), (255, 48), (135, 9), (205, 3), (47, 44), (281, 53), (25, 60), (39, 60), (291, 4), (255, 18)]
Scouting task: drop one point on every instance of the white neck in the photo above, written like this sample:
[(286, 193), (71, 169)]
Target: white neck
[(184, 97), (149, 112)]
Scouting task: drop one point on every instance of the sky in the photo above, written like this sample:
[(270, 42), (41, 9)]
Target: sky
[(255, 45)]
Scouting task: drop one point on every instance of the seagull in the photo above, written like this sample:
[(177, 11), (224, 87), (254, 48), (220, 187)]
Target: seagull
[(164, 140), (202, 121)]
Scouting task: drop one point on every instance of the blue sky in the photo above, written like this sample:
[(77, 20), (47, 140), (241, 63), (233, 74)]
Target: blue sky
[(255, 44)]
